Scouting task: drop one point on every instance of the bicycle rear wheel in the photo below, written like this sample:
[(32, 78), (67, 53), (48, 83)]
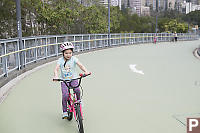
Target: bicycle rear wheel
[(79, 119)]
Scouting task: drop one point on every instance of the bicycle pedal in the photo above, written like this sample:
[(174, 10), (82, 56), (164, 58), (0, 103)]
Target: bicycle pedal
[(64, 117)]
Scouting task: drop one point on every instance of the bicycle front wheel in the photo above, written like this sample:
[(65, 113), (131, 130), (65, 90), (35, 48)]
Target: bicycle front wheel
[(70, 114), (79, 119)]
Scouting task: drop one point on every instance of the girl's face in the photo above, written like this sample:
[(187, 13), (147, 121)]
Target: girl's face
[(68, 54)]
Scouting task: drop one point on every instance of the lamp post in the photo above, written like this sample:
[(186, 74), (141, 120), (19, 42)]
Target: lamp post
[(189, 17), (108, 22), (19, 33), (156, 22), (156, 15)]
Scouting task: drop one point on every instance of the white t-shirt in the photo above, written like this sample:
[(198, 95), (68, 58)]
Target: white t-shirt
[(69, 71)]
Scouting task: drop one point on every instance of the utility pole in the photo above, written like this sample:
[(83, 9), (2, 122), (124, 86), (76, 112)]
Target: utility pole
[(19, 32), (156, 15), (189, 17), (108, 22)]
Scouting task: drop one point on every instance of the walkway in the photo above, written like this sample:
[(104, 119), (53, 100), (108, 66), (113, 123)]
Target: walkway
[(116, 99)]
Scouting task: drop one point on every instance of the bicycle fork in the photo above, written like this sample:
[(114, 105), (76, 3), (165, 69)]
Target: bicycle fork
[(80, 107)]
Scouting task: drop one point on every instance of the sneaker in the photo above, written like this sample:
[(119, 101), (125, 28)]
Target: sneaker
[(65, 115)]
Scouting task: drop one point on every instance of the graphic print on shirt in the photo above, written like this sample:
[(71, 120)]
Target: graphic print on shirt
[(67, 72)]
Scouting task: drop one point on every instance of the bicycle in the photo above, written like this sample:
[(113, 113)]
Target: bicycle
[(74, 105)]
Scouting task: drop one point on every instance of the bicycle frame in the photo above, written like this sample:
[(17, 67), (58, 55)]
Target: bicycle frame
[(72, 97), (73, 101)]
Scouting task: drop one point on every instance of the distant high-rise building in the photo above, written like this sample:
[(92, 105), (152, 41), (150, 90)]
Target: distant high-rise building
[(151, 4), (136, 5), (145, 11), (178, 5), (143, 2), (112, 3), (171, 4), (126, 3), (194, 2), (161, 5)]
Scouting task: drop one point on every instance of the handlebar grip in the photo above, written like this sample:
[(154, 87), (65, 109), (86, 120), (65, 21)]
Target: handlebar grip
[(84, 75), (56, 80)]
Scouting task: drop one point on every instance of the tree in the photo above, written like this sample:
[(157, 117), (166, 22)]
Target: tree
[(56, 18), (41, 17), (174, 26), (193, 17), (7, 19), (115, 19), (94, 19)]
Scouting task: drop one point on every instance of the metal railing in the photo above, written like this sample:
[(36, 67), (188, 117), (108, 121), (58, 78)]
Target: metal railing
[(43, 47)]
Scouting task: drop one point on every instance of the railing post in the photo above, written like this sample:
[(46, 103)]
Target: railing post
[(75, 43), (109, 41), (125, 37), (160, 37), (143, 37), (82, 44), (35, 50), (5, 61), (133, 38), (95, 43), (120, 38), (48, 47), (56, 47), (24, 45), (164, 37), (89, 43), (101, 41), (46, 43), (18, 56), (115, 39)]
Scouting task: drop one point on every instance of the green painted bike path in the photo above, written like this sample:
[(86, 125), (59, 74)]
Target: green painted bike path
[(116, 99)]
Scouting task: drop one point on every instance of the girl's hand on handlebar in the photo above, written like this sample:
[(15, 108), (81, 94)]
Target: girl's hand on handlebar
[(85, 74)]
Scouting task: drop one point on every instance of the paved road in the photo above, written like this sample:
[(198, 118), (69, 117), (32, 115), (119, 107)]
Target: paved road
[(116, 99)]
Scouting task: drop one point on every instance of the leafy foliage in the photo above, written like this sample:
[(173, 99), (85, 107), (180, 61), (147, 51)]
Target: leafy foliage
[(42, 17)]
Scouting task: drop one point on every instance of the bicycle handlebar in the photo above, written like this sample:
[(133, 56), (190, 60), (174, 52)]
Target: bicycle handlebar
[(69, 81)]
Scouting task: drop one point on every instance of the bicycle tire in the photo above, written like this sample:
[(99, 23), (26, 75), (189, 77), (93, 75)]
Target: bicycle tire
[(70, 114), (79, 119)]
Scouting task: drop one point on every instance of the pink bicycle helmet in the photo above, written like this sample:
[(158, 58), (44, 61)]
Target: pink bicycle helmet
[(66, 45)]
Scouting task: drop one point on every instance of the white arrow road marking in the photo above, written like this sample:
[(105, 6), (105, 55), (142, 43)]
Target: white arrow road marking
[(132, 67)]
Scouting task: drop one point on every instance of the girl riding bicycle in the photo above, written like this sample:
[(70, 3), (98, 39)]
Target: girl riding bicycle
[(67, 66)]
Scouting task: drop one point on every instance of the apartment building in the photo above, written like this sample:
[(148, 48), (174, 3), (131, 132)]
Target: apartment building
[(161, 5), (136, 5), (112, 3), (145, 11)]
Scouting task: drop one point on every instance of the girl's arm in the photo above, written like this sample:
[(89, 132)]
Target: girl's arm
[(56, 71), (82, 68)]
